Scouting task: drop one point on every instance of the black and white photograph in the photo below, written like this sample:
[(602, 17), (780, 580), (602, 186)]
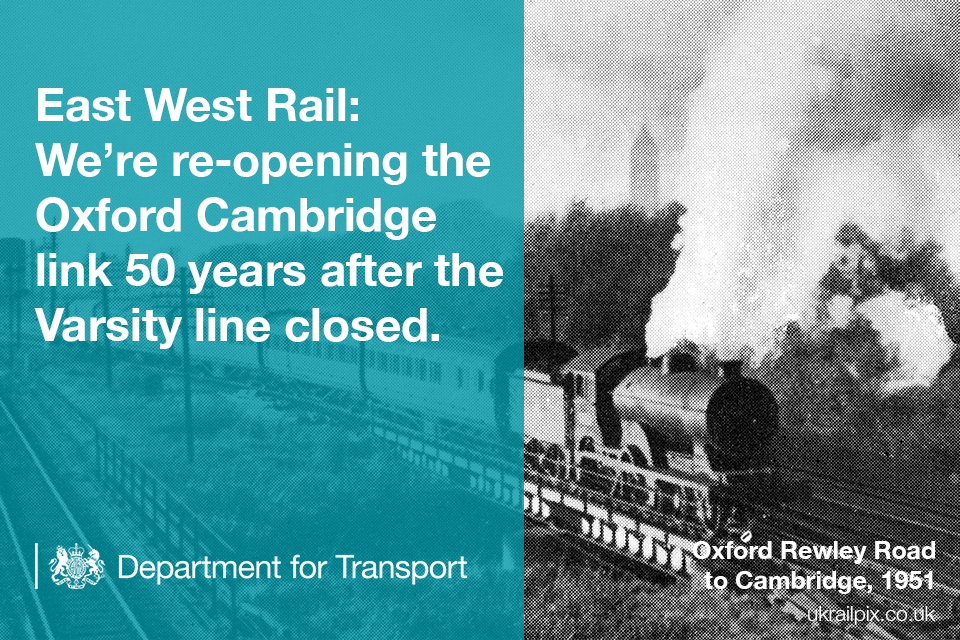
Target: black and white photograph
[(741, 372)]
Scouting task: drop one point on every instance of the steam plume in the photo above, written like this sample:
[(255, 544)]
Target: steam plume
[(812, 114)]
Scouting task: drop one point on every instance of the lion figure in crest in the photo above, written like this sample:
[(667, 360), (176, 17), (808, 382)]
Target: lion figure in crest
[(60, 571)]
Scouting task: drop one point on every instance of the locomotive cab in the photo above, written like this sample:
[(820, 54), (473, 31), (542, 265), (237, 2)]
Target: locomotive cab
[(592, 377)]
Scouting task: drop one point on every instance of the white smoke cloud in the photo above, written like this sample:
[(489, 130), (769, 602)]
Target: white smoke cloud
[(913, 332), (811, 114)]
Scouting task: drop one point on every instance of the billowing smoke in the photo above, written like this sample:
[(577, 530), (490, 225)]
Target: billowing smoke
[(813, 114), (898, 288)]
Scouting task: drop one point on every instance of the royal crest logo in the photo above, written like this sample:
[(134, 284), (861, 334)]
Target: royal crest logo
[(72, 568)]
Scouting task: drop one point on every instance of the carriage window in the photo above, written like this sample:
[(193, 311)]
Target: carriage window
[(480, 381), (579, 383), (422, 368)]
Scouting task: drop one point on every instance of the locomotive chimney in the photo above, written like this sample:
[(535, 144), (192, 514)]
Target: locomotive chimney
[(679, 362), (731, 368)]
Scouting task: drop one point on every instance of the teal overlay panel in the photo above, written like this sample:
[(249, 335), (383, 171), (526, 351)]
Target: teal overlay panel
[(391, 453)]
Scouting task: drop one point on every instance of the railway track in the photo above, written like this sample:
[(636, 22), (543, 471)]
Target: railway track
[(614, 559), (867, 499), (781, 522), (900, 504), (38, 513), (351, 407), (891, 495), (845, 522), (853, 512), (53, 496)]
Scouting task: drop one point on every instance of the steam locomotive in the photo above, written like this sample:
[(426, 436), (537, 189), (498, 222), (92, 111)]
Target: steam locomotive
[(662, 434)]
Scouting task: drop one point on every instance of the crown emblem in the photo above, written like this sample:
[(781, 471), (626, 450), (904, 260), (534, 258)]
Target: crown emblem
[(76, 551)]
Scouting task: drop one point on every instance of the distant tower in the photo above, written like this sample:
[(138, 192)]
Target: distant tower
[(643, 173)]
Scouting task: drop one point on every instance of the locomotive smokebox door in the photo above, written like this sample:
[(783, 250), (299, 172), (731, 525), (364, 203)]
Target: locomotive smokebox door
[(741, 420)]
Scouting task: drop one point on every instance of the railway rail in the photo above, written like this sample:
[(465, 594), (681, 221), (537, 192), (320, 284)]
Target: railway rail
[(904, 521), (170, 522), (890, 495), (43, 513), (354, 407)]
